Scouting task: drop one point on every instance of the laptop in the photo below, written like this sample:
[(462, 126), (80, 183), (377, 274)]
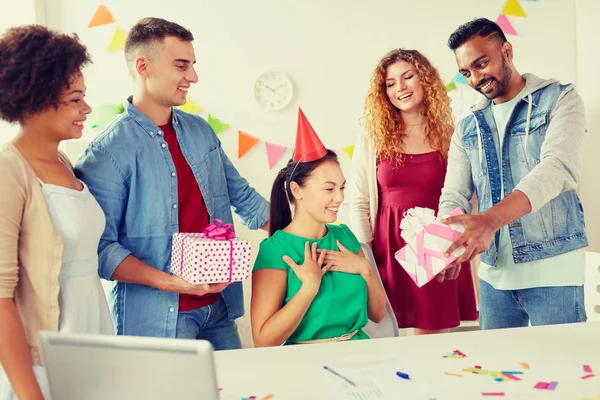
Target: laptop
[(95, 367)]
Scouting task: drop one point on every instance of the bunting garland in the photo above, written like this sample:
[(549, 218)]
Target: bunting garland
[(511, 8), (103, 16), (247, 142)]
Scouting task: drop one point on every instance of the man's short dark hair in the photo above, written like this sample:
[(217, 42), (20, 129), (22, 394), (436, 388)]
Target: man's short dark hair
[(148, 31), (478, 27)]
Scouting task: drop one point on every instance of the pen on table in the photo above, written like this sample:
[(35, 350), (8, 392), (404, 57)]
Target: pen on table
[(402, 375), (337, 374)]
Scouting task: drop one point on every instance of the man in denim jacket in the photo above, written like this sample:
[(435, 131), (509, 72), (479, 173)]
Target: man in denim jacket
[(156, 170), (520, 151)]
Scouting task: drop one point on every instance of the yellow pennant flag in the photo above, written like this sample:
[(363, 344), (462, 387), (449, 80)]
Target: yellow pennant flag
[(118, 41), (349, 150), (513, 9), (191, 107)]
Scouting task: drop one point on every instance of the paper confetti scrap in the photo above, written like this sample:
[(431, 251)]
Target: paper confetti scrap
[(476, 370), (455, 354), (452, 374), (512, 377), (587, 368), (500, 394), (546, 385), (588, 376), (525, 365), (267, 397)]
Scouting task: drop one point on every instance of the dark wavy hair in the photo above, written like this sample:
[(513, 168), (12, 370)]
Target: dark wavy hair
[(281, 194), (36, 65)]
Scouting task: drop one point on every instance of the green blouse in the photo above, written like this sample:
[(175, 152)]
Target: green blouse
[(340, 306)]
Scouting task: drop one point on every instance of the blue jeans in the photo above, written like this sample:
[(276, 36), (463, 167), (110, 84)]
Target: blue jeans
[(540, 306), (209, 323)]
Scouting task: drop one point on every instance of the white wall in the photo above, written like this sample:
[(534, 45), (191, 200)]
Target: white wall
[(588, 60), (18, 13)]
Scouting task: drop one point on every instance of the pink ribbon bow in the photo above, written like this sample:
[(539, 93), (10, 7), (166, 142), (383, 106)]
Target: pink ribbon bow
[(217, 230)]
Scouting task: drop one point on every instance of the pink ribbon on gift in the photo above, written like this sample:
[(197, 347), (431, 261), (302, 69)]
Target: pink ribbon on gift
[(424, 254), (217, 230)]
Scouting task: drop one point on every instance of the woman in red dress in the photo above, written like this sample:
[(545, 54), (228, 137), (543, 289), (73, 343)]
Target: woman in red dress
[(400, 163)]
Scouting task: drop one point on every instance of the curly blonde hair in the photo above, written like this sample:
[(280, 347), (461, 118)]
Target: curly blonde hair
[(383, 121)]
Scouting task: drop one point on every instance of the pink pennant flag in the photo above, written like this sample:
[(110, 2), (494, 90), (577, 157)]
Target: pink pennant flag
[(505, 25), (274, 153)]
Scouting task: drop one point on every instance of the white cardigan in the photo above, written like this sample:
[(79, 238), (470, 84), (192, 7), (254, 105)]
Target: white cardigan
[(364, 196)]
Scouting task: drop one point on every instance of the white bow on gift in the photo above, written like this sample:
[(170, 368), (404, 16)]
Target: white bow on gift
[(414, 221), (427, 238)]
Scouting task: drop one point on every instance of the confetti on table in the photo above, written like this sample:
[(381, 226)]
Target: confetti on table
[(588, 376), (512, 377), (500, 394), (267, 397), (525, 365), (478, 371), (587, 368), (452, 374), (546, 385), (455, 354)]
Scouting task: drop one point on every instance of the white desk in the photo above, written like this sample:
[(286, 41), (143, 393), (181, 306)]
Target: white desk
[(554, 353)]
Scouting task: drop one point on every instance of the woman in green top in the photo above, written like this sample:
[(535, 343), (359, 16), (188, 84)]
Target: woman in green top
[(311, 281)]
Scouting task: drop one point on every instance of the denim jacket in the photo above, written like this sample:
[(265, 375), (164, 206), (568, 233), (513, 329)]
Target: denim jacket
[(541, 156), (129, 170)]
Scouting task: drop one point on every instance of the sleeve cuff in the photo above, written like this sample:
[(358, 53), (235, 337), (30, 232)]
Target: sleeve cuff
[(110, 258), (261, 217)]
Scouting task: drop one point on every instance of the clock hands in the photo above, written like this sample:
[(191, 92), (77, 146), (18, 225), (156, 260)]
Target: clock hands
[(268, 87)]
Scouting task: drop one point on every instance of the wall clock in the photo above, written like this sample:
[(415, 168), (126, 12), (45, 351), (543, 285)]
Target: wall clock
[(273, 90)]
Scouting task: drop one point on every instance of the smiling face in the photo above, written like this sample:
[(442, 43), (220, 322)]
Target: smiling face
[(486, 63), (170, 72), (403, 87), (65, 121), (322, 193)]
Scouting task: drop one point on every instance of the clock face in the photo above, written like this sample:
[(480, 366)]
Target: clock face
[(273, 90)]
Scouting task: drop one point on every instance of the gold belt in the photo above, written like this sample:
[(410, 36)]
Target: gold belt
[(342, 338)]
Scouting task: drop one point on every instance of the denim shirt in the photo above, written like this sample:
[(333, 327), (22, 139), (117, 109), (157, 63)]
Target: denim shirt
[(541, 156), (129, 170)]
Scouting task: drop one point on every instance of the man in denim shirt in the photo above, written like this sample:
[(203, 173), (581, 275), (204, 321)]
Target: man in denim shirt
[(521, 152), (156, 170)]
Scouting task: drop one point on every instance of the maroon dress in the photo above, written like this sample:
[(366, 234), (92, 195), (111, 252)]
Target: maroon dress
[(417, 182)]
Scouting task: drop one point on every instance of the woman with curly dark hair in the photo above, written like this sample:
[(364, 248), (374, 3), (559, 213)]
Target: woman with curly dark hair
[(50, 224), (400, 163)]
